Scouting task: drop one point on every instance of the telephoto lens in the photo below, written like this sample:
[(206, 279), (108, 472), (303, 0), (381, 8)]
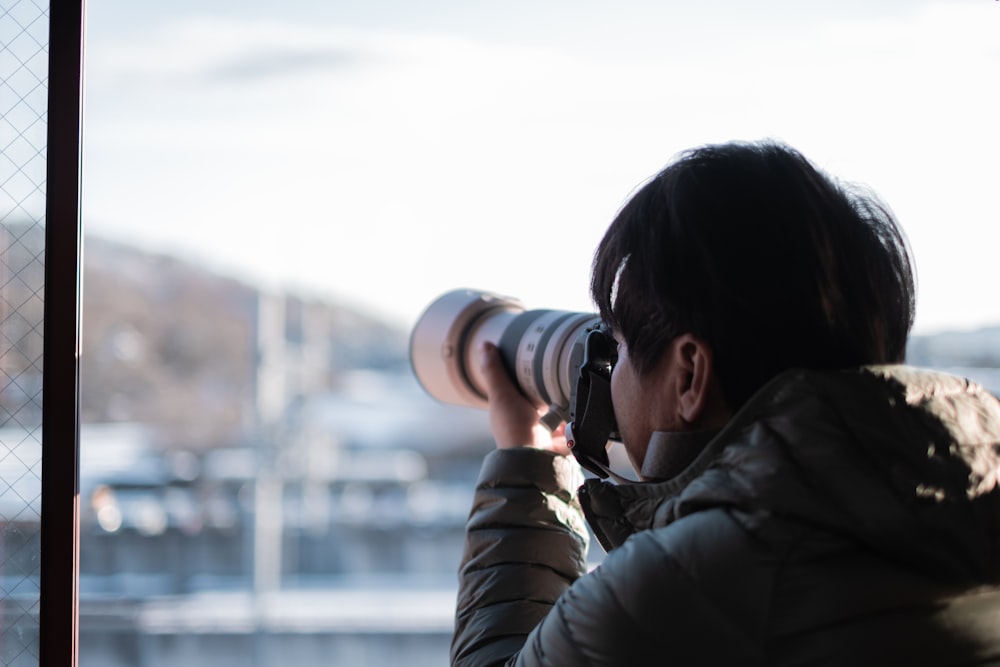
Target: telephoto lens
[(557, 358), (535, 345)]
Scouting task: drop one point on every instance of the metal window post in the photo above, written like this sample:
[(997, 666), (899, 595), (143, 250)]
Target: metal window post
[(59, 572)]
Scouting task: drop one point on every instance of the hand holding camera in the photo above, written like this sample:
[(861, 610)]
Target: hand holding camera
[(514, 420)]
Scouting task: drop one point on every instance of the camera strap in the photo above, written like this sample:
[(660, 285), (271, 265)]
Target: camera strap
[(592, 421)]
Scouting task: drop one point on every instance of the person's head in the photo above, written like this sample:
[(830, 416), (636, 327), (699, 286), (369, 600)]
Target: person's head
[(752, 251)]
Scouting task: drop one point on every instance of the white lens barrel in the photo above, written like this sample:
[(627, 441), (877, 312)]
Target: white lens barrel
[(444, 343), (536, 346)]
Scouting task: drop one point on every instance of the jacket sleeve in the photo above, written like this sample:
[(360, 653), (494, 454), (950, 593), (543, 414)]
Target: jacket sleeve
[(526, 543)]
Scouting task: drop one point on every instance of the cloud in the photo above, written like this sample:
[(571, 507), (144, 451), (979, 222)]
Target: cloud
[(381, 160), (279, 62), (199, 50)]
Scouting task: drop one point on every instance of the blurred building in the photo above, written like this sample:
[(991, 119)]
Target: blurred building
[(368, 491)]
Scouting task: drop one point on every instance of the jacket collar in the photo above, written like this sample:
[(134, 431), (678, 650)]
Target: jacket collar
[(670, 453)]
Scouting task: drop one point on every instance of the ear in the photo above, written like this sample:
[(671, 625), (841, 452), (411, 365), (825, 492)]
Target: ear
[(699, 398)]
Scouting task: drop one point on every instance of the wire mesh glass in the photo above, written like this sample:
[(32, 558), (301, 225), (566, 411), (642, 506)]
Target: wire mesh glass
[(24, 28)]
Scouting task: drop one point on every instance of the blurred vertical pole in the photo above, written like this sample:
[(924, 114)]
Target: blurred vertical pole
[(272, 399), (59, 571)]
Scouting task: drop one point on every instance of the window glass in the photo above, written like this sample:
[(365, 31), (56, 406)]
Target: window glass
[(23, 104), (273, 191)]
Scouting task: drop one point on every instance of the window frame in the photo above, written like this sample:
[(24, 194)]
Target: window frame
[(60, 532)]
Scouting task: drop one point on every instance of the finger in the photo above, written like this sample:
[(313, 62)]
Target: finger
[(498, 382)]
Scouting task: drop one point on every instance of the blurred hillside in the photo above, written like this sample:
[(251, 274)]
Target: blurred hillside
[(979, 348), (171, 344)]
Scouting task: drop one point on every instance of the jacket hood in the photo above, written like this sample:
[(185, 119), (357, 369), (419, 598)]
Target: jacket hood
[(904, 461)]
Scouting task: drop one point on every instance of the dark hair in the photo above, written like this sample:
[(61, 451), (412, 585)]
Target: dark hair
[(774, 264)]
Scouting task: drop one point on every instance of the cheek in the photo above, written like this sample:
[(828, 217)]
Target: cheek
[(616, 393), (626, 403), (631, 429)]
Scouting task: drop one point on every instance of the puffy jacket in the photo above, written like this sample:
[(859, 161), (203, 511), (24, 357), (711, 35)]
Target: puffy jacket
[(840, 518)]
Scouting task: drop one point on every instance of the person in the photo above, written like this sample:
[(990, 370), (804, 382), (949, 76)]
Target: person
[(804, 496)]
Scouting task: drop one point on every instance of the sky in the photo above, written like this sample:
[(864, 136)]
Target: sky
[(382, 153)]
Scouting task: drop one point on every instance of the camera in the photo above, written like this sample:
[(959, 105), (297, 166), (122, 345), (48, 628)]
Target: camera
[(559, 359)]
